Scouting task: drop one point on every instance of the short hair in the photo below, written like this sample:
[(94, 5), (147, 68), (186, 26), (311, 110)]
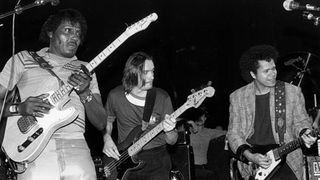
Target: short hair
[(65, 15), (200, 112), (249, 59), (133, 70)]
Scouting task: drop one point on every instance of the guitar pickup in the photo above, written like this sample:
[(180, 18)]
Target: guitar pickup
[(30, 139)]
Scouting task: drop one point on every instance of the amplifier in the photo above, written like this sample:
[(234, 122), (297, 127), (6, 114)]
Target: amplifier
[(313, 167), (97, 160), (182, 161)]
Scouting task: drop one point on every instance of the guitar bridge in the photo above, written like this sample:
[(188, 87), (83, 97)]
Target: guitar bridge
[(25, 123)]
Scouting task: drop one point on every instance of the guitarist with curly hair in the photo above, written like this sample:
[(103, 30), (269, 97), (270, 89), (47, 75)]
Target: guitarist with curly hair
[(45, 131), (268, 120)]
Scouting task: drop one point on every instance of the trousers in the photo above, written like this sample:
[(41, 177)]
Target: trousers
[(62, 159)]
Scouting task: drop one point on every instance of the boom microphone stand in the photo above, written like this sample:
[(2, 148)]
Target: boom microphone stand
[(19, 9)]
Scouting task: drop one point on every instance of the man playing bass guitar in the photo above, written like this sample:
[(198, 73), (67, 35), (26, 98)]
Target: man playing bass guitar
[(127, 104)]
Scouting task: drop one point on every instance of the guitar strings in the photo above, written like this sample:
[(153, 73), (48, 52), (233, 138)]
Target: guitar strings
[(115, 163)]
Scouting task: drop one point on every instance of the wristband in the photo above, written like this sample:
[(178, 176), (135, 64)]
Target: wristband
[(13, 109)]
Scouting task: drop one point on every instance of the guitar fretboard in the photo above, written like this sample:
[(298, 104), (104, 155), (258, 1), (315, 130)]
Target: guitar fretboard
[(65, 89), (137, 146), (60, 93), (295, 144), (107, 51), (289, 147)]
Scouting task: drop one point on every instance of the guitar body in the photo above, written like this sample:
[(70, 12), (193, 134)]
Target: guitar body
[(269, 150), (27, 136), (113, 168), (262, 173), (120, 171)]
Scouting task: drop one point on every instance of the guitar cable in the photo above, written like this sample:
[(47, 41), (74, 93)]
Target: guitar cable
[(12, 164)]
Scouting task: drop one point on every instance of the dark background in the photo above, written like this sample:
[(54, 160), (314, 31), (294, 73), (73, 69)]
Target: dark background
[(192, 42)]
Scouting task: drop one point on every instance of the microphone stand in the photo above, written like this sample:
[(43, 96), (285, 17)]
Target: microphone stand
[(305, 68), (301, 72), (312, 17), (18, 9)]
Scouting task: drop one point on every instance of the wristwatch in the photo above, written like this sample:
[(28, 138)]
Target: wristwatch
[(87, 99)]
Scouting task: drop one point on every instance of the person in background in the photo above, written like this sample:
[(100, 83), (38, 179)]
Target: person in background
[(200, 137)]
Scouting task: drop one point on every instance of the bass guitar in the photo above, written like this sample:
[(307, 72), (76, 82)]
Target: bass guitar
[(27, 136), (276, 155), (137, 142)]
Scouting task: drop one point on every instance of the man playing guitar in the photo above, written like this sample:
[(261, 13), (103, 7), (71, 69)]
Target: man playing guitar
[(264, 113), (65, 154), (126, 104)]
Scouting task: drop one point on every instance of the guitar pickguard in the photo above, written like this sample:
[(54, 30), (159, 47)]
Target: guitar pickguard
[(26, 139)]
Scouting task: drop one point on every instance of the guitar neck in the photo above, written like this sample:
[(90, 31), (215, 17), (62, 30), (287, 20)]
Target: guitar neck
[(295, 144), (60, 93), (107, 51), (65, 89), (137, 146), (289, 147)]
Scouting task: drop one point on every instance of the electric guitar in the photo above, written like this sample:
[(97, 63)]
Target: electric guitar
[(276, 155), (27, 136), (111, 164)]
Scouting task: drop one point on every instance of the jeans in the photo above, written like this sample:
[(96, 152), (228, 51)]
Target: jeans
[(62, 159)]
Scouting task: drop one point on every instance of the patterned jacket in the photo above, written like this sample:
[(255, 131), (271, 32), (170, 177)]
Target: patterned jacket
[(242, 115)]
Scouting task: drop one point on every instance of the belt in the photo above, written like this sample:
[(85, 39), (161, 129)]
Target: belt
[(202, 166)]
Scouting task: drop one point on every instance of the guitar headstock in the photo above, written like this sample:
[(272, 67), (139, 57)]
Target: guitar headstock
[(141, 25), (196, 98)]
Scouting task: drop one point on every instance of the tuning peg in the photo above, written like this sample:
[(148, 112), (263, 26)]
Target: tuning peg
[(193, 90), (209, 83)]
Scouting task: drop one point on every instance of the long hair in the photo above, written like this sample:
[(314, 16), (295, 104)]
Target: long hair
[(53, 22), (249, 59), (133, 70)]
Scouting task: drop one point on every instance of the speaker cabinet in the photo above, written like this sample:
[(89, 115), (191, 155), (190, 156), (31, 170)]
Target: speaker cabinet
[(313, 167), (182, 161)]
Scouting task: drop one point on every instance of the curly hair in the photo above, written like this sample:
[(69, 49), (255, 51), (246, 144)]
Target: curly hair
[(53, 22), (249, 59), (133, 70)]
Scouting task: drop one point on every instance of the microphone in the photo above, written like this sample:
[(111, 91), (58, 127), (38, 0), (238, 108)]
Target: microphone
[(43, 2), (55, 2), (290, 5)]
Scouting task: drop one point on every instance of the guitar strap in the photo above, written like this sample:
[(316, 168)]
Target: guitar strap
[(280, 110), (148, 107), (45, 65)]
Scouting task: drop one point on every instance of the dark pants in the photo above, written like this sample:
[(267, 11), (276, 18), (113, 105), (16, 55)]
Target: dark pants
[(3, 168), (156, 165), (284, 172), (203, 173)]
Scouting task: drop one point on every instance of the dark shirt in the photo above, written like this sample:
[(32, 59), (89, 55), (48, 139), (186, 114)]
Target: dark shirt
[(262, 123)]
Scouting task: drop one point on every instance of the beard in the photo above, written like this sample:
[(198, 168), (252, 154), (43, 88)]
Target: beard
[(147, 85)]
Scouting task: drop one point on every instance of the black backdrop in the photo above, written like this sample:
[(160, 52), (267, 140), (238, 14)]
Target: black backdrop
[(192, 41)]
